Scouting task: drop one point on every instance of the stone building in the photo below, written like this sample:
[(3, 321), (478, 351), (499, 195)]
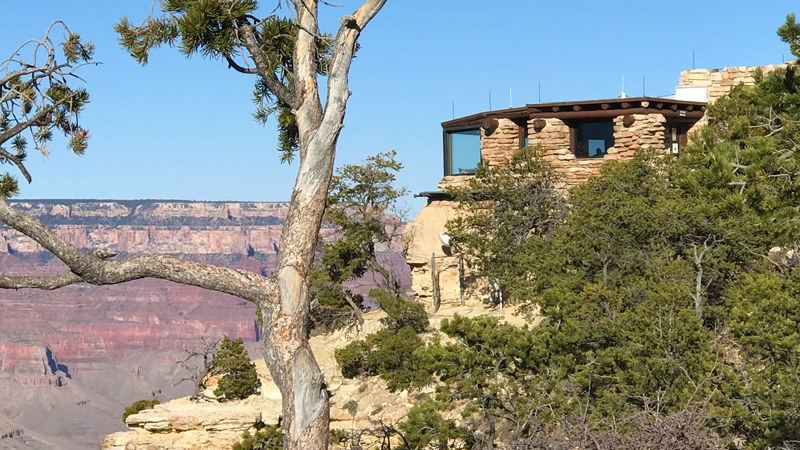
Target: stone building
[(577, 139)]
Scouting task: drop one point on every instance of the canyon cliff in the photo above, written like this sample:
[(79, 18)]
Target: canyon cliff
[(72, 359)]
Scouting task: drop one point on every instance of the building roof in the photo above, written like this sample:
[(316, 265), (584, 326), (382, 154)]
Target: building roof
[(589, 109)]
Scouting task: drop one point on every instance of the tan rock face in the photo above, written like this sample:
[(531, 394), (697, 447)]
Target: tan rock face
[(423, 235)]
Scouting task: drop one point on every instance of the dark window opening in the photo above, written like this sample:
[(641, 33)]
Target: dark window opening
[(676, 139), (593, 139), (523, 133), (462, 152)]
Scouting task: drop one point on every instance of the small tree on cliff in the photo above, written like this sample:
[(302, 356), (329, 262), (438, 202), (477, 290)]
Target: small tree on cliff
[(504, 211), (363, 205), (286, 57), (239, 378)]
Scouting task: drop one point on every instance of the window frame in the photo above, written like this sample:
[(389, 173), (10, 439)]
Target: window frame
[(573, 135), (523, 132), (446, 139), (682, 137)]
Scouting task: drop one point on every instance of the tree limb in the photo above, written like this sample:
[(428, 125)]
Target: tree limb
[(17, 161), (235, 66), (338, 90), (33, 121), (93, 269), (275, 86)]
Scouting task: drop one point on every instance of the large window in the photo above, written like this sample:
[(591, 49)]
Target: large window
[(593, 139), (462, 152)]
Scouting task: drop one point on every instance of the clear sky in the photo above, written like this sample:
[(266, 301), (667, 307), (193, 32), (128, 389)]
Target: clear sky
[(183, 129)]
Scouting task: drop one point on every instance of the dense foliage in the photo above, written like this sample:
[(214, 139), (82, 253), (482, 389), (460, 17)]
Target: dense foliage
[(425, 428), (239, 378), (668, 293), (503, 210), (389, 352), (137, 407)]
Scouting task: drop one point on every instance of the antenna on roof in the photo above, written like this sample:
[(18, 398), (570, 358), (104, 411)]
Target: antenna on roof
[(644, 87), (490, 101), (624, 95), (510, 99), (540, 92)]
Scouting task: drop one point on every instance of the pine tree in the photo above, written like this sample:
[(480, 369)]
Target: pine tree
[(239, 378), (363, 205)]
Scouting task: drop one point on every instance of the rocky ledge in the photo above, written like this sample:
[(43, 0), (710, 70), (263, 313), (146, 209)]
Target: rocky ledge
[(184, 424), (187, 425)]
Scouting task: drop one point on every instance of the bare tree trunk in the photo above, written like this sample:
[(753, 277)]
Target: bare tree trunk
[(306, 407), (699, 259)]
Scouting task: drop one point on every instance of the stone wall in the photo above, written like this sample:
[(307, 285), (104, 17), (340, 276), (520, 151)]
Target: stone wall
[(454, 181), (647, 131), (422, 234), (721, 81), (554, 138), (498, 147)]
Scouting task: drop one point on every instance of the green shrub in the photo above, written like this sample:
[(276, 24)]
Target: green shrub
[(425, 428), (239, 378), (138, 406), (268, 438), (388, 353), (401, 312)]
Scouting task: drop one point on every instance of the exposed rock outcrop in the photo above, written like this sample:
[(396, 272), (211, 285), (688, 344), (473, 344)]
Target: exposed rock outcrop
[(186, 425)]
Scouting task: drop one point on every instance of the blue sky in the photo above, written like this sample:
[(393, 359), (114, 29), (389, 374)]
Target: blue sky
[(183, 129)]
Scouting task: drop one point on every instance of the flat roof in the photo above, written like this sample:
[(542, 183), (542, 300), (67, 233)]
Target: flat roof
[(671, 108)]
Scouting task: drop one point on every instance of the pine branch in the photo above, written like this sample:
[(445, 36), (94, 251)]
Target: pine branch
[(280, 90), (17, 162), (233, 65)]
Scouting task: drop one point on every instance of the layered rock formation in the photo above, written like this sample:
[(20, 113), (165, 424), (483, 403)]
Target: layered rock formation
[(71, 360)]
